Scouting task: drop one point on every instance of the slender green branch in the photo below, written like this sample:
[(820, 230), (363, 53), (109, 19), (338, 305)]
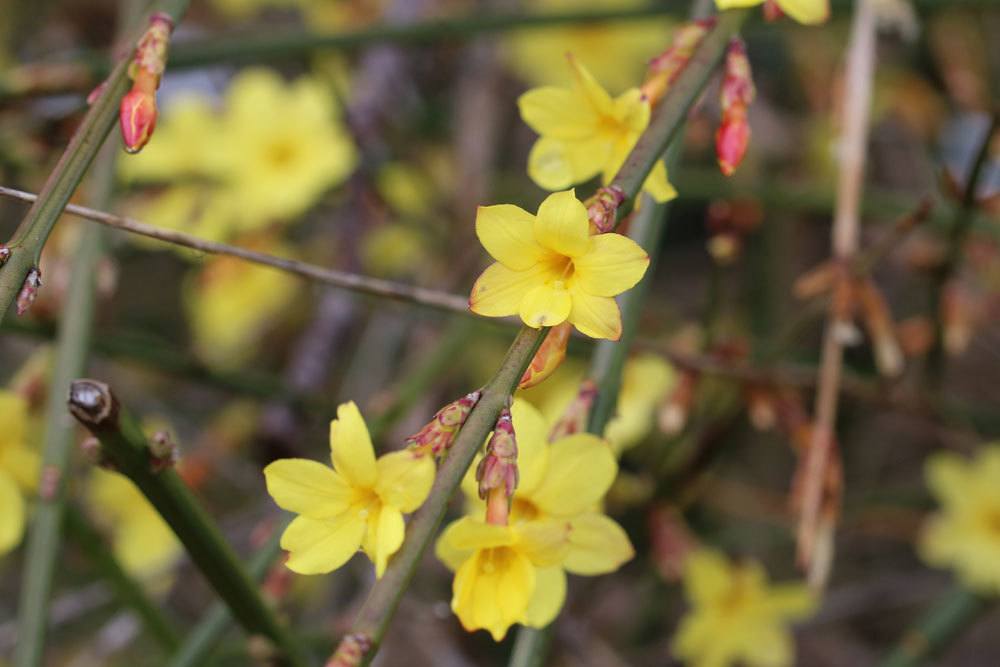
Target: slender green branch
[(943, 624), (125, 446), (128, 590), (31, 235), (200, 643)]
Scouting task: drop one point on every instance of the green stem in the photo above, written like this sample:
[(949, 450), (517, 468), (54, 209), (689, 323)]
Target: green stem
[(125, 446), (201, 642), (73, 343), (31, 235), (129, 592), (942, 625)]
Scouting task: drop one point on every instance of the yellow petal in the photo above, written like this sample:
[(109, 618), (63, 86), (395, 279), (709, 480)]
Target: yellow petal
[(507, 233), (351, 447), (532, 445), (548, 599), (597, 545), (307, 487), (545, 542), (791, 601), (386, 536), (12, 516), (595, 316), (22, 463), (707, 575), (580, 471), (734, 4), (658, 185), (546, 306), (809, 12), (448, 552), (467, 534), (591, 89), (562, 225), (771, 645), (613, 264), (632, 112), (948, 477), (499, 291), (492, 590), (550, 165), (13, 417), (145, 545), (317, 546), (404, 480), (558, 113)]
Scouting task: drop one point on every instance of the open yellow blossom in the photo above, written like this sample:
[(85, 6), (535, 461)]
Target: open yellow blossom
[(550, 269), (19, 466), (738, 618), (585, 132), (965, 534), (561, 484), (359, 504), (809, 12), (140, 539)]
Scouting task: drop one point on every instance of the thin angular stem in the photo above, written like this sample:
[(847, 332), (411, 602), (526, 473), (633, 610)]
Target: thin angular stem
[(943, 624), (124, 444), (33, 232)]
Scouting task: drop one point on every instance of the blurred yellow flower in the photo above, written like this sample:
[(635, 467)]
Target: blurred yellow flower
[(585, 132), (616, 52), (406, 189), (394, 251), (358, 504), (965, 534), (232, 303), (19, 466), (550, 269), (247, 8), (205, 212), (140, 539), (185, 145), (738, 618), (561, 486), (809, 12)]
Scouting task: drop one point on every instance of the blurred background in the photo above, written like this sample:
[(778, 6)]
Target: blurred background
[(371, 156)]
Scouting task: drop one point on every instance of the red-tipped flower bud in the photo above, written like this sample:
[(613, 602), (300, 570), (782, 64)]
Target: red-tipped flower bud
[(137, 118), (602, 208), (549, 356), (137, 112), (666, 67), (497, 473), (733, 135), (437, 435)]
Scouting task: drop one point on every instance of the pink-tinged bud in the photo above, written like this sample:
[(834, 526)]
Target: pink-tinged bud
[(881, 328), (665, 68), (497, 473), (351, 651), (956, 318), (733, 135), (772, 11), (4, 254), (29, 290), (137, 118), (574, 419), (602, 208), (437, 435), (137, 112), (674, 412), (549, 356)]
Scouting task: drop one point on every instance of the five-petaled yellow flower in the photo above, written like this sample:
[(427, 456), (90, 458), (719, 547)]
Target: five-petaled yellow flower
[(358, 504), (965, 534), (550, 269), (19, 466), (809, 12), (585, 132), (560, 490), (738, 618)]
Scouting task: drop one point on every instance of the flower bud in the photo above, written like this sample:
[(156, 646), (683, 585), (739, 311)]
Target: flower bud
[(602, 208), (549, 356), (497, 473), (733, 135), (137, 112), (437, 435), (137, 118), (351, 651), (666, 67), (574, 418), (29, 290)]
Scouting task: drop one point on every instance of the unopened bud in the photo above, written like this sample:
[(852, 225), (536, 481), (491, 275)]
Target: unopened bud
[(549, 356), (881, 329), (137, 118), (674, 412), (665, 68), (956, 318), (437, 435), (351, 651), (162, 451), (29, 290), (602, 207), (733, 135), (137, 113), (574, 418), (498, 469)]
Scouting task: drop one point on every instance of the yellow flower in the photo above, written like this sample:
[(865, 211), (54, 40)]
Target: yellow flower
[(561, 486), (194, 209), (616, 52), (965, 534), (550, 270), (141, 540), (738, 618), (247, 8), (19, 465), (809, 12), (231, 304), (394, 250), (358, 504), (585, 132)]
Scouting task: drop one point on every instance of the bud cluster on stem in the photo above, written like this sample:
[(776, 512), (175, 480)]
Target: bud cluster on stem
[(137, 113), (738, 91), (437, 435), (666, 67), (497, 473), (576, 415), (549, 356)]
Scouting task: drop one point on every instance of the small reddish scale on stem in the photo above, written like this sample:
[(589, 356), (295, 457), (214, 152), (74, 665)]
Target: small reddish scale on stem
[(437, 435), (738, 91), (137, 113), (666, 67), (29, 290)]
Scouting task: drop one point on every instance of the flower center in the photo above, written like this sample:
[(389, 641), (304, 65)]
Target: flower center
[(991, 521), (280, 154), (561, 269), (495, 559), (523, 510)]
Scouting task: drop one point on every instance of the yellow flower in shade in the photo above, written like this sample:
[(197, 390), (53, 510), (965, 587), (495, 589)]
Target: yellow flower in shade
[(809, 12), (140, 539), (738, 618), (561, 487), (231, 304), (616, 52), (284, 144), (359, 504), (585, 132), (965, 534), (19, 465), (550, 269)]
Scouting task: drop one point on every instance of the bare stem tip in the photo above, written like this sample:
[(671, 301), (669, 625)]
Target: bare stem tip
[(91, 402)]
